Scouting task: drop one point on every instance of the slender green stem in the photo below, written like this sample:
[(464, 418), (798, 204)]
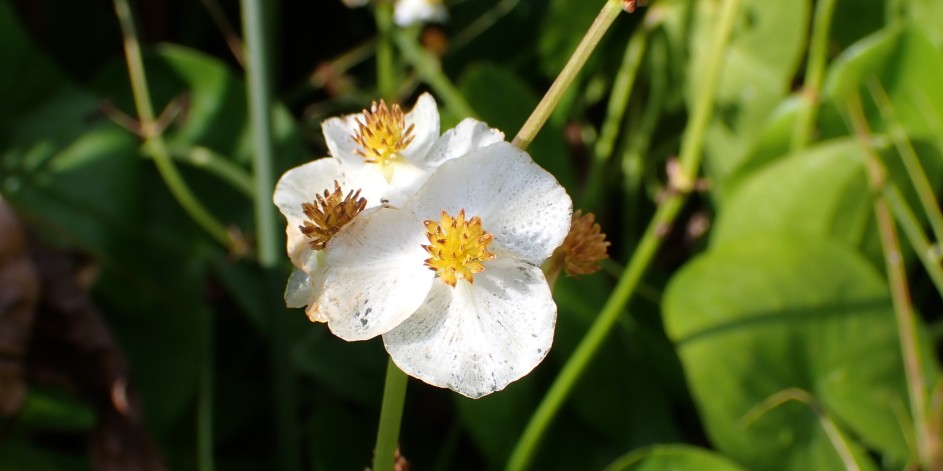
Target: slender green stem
[(391, 414), (839, 441), (204, 428), (691, 148), (622, 88), (814, 74), (638, 143), (482, 23), (918, 176), (929, 254), (260, 110), (386, 73), (615, 113), (216, 164), (152, 137), (607, 15), (900, 294), (429, 69), (254, 25)]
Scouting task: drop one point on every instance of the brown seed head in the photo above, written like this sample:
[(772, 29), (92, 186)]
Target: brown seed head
[(328, 213), (585, 245)]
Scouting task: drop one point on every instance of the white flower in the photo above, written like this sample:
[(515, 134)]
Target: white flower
[(409, 12), (452, 280), (381, 155)]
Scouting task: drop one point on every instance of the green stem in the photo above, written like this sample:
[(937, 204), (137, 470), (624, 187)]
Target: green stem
[(386, 73), (429, 68), (621, 92), (153, 140), (254, 25), (607, 15), (900, 294), (615, 114), (391, 414), (216, 164), (814, 74), (204, 428), (638, 143), (929, 255), (691, 148), (260, 110), (918, 176)]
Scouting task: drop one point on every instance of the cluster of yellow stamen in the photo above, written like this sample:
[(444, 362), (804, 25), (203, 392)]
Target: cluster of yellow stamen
[(457, 247), (328, 213), (382, 134)]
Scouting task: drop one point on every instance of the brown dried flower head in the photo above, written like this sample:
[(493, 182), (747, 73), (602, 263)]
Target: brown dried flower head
[(328, 213), (585, 245)]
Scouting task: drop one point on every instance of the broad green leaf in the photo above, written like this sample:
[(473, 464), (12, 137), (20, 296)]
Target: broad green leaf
[(504, 101), (907, 66), (926, 14), (759, 64), (790, 317), (675, 458), (820, 192)]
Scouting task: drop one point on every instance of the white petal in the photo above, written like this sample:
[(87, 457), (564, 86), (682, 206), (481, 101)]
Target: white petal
[(376, 275), (518, 201), (425, 118), (409, 12), (477, 338), (339, 135), (468, 136), (300, 185)]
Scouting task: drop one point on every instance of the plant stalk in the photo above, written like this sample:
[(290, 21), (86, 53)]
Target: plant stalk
[(691, 151)]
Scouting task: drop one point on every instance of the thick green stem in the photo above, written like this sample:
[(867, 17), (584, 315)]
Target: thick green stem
[(900, 293), (429, 69), (691, 151), (386, 72), (607, 15), (153, 141), (814, 74), (391, 414), (260, 108)]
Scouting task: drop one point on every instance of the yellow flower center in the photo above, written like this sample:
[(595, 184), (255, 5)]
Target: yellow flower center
[(327, 214), (457, 247), (382, 135)]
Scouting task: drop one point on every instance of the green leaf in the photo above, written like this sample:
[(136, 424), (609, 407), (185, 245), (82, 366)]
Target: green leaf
[(926, 14), (673, 457), (907, 66), (762, 317), (822, 191), (759, 64)]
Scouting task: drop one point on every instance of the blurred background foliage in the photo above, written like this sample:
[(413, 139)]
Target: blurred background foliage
[(762, 337)]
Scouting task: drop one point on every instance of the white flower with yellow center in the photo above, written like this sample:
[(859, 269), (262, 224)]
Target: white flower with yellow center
[(379, 156), (452, 280), (409, 12)]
